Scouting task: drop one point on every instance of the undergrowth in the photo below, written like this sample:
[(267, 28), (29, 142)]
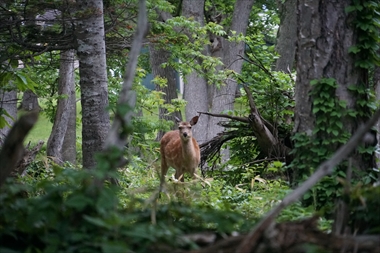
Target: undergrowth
[(57, 209)]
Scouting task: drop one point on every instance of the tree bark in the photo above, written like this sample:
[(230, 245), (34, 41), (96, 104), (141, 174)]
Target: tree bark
[(93, 80), (65, 88), (8, 102), (286, 35), (324, 39), (69, 149), (196, 88), (224, 97), (376, 82), (29, 101), (158, 56)]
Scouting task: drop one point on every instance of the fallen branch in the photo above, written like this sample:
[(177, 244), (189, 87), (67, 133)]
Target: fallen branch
[(294, 236), (250, 242)]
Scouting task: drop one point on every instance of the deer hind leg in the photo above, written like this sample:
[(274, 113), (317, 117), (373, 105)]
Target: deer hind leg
[(164, 170)]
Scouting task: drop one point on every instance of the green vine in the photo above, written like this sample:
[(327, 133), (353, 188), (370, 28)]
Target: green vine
[(330, 113), (367, 24), (366, 52), (313, 148)]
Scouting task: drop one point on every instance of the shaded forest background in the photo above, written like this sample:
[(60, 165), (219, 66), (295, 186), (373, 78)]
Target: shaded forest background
[(287, 93)]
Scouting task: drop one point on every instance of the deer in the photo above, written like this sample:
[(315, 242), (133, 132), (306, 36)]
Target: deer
[(180, 150)]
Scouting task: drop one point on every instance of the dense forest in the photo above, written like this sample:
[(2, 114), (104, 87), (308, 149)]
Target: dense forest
[(281, 99)]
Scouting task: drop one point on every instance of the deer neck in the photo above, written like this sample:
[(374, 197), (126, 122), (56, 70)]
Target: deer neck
[(187, 148)]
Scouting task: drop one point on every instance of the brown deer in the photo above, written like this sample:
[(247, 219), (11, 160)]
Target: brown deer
[(180, 150)]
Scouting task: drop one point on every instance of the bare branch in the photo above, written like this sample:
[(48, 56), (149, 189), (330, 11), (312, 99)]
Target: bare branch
[(241, 119), (117, 136)]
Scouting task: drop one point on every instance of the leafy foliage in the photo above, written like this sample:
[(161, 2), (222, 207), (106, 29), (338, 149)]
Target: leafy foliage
[(65, 213), (330, 113), (53, 208), (364, 205), (329, 133), (367, 24)]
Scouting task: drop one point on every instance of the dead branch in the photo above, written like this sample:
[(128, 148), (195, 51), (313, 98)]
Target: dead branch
[(289, 237), (211, 148), (254, 110), (13, 149), (241, 119), (265, 132), (250, 243)]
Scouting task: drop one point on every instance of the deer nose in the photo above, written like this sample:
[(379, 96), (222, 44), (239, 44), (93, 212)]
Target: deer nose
[(185, 134)]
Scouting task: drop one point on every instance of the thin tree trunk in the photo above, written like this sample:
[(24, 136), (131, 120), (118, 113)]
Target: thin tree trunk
[(287, 35), (224, 97), (69, 149), (93, 80), (376, 81), (65, 89), (8, 102), (158, 56), (196, 87), (29, 101)]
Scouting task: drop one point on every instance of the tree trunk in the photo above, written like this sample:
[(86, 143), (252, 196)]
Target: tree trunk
[(224, 97), (93, 80), (196, 88), (69, 149), (324, 39), (376, 82), (287, 35), (65, 88), (158, 56), (8, 102), (29, 101)]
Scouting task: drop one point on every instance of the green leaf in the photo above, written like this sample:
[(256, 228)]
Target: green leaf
[(23, 82), (5, 78), (354, 49), (314, 82), (3, 121), (339, 124), (330, 81), (117, 246), (78, 201), (350, 8), (97, 221), (14, 63)]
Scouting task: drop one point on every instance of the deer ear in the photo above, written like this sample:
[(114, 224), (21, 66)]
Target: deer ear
[(194, 120), (177, 119)]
